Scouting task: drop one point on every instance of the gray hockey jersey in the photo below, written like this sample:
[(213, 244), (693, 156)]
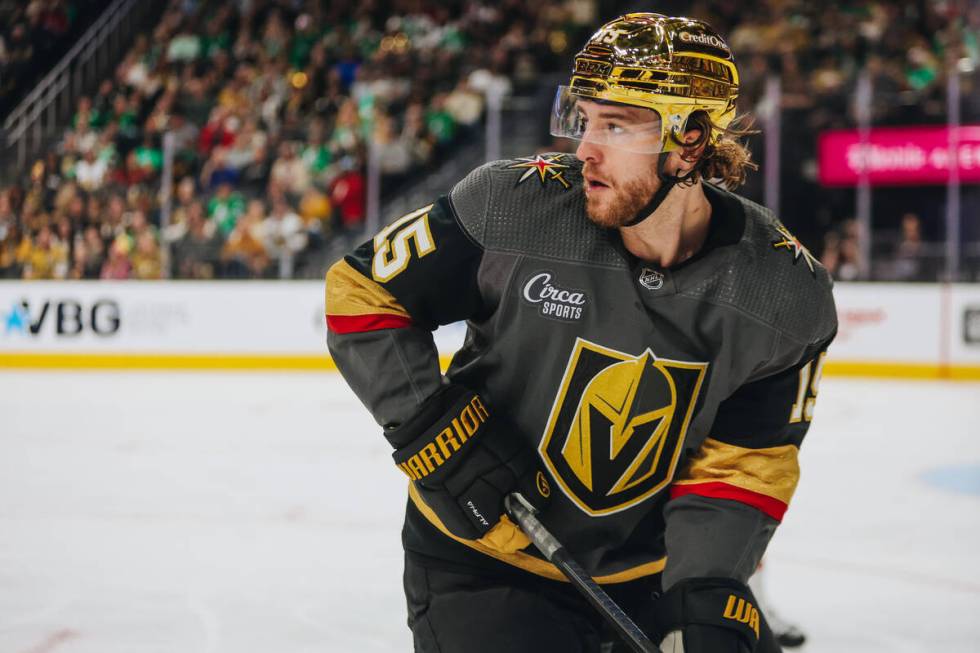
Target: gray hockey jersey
[(667, 405)]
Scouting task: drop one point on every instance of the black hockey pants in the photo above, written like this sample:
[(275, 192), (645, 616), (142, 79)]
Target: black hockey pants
[(452, 612)]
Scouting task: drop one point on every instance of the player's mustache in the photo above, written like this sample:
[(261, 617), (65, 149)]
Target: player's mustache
[(589, 171)]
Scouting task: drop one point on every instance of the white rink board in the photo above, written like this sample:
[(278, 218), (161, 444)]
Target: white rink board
[(886, 323), (965, 324), (908, 323), (155, 317), (226, 317)]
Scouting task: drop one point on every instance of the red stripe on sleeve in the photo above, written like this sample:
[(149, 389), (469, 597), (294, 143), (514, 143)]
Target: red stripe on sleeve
[(716, 490), (361, 323)]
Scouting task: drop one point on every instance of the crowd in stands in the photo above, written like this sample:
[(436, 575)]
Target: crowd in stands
[(895, 255), (33, 35), (271, 106), (268, 108), (819, 50)]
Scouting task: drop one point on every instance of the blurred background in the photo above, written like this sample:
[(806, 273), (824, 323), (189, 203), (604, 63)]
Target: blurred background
[(176, 177), (205, 139)]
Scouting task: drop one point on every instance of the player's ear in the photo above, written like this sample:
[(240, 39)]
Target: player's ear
[(697, 133), (692, 136), (686, 157), (694, 142)]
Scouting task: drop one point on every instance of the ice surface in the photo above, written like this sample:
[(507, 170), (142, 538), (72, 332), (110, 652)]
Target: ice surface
[(187, 513)]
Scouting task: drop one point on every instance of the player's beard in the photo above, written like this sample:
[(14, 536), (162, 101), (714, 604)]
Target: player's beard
[(626, 201)]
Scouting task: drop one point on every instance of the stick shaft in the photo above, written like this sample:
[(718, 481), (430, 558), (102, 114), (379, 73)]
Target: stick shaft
[(523, 514)]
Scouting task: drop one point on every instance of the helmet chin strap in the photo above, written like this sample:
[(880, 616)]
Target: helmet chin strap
[(667, 183)]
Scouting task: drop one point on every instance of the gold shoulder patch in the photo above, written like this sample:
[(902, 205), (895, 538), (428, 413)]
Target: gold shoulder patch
[(792, 244), (547, 168)]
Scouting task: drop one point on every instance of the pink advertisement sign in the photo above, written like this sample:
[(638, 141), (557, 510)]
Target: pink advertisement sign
[(898, 155)]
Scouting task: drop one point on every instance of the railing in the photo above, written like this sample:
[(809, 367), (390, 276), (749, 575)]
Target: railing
[(522, 116), (38, 119), (925, 262)]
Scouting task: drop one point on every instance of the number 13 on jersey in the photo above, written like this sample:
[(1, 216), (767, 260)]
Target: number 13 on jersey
[(391, 251)]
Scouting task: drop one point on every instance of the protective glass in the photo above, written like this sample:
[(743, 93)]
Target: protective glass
[(633, 129)]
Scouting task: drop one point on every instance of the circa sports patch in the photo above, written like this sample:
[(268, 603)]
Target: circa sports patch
[(551, 299)]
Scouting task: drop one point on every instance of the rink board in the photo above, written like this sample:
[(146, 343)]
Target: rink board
[(886, 330)]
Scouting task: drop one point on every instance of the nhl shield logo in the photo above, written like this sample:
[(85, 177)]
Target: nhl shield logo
[(618, 424), (651, 279)]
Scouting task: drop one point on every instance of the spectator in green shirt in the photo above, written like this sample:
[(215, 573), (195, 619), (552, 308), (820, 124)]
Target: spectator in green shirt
[(148, 156), (315, 154), (439, 121), (303, 41), (225, 208), (86, 114), (185, 46)]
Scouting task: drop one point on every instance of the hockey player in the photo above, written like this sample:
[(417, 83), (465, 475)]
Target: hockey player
[(642, 358)]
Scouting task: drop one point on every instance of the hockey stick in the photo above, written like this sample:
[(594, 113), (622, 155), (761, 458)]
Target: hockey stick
[(523, 513)]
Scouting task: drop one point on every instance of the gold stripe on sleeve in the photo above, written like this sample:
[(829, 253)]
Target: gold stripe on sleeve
[(351, 293), (773, 472)]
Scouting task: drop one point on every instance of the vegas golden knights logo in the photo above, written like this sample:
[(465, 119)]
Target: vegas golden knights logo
[(617, 425)]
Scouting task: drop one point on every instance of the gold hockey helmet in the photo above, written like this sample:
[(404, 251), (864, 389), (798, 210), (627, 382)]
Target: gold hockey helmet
[(673, 66)]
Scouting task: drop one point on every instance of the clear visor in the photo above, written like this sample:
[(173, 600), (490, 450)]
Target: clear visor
[(625, 127)]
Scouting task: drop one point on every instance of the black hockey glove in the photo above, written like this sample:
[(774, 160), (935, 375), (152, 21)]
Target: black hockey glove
[(704, 615), (464, 461)]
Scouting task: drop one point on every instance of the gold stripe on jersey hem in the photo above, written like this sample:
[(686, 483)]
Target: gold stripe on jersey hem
[(350, 293), (528, 562), (772, 471)]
